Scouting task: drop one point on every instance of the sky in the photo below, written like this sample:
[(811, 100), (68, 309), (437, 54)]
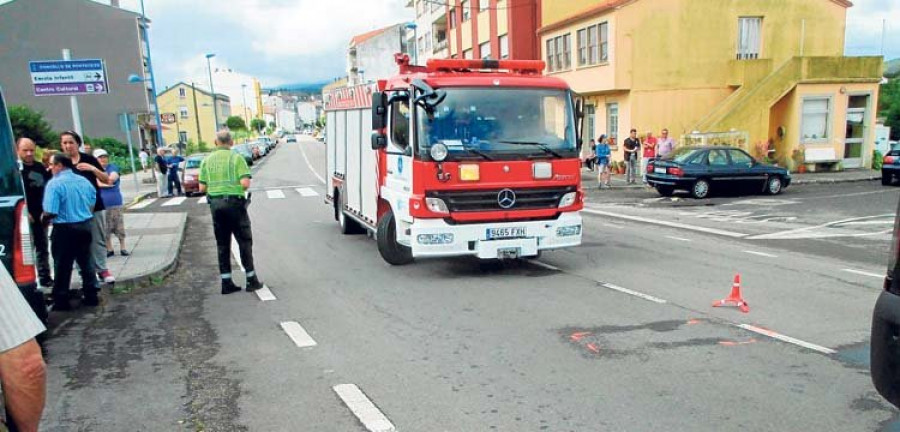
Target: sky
[(302, 41)]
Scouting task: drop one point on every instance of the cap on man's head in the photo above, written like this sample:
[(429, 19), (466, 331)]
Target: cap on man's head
[(99, 153)]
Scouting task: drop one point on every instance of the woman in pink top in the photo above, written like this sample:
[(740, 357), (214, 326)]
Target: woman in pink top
[(649, 153)]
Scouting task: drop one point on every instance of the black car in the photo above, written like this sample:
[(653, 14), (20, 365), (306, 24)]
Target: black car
[(15, 232), (890, 168), (702, 170), (885, 352)]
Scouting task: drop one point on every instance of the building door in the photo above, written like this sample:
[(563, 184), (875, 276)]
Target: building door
[(857, 114)]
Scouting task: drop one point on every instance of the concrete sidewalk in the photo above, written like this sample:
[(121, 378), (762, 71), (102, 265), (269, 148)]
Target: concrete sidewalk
[(145, 186), (154, 241)]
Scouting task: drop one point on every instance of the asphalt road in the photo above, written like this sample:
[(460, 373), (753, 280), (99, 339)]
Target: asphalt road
[(615, 335)]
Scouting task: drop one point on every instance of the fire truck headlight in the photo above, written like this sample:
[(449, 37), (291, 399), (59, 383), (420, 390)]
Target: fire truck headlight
[(435, 239), (568, 199), (438, 152), (568, 231), (436, 205)]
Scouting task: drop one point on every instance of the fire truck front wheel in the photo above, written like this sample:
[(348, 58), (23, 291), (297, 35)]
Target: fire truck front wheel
[(392, 252)]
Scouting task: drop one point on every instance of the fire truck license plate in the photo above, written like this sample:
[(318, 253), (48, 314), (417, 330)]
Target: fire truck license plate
[(505, 233)]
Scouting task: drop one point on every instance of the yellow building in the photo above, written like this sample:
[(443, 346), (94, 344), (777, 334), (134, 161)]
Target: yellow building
[(193, 110), (768, 75)]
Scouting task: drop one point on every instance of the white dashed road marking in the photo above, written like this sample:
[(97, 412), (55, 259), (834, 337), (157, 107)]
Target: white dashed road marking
[(275, 194), (265, 294), (203, 200), (143, 204), (363, 408), (307, 192), (865, 273), (788, 339), (634, 293), (545, 265), (667, 224), (174, 202), (297, 334), (762, 254), (678, 238)]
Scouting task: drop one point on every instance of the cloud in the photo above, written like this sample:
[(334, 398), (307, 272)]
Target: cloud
[(864, 28)]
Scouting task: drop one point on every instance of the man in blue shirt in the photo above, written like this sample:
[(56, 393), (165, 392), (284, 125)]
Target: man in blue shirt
[(174, 162), (68, 202)]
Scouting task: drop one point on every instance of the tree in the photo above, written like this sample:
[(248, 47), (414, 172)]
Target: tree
[(272, 125), (889, 106), (258, 124), (27, 122), (236, 123)]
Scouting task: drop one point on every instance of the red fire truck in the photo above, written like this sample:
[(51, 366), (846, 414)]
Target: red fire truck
[(457, 157)]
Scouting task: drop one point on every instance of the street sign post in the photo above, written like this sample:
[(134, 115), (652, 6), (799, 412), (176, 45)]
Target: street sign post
[(68, 77)]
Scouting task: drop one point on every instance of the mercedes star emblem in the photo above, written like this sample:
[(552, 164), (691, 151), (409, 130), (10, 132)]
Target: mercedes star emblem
[(506, 198)]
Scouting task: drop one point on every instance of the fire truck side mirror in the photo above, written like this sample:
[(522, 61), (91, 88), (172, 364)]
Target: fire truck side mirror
[(379, 140), (379, 111)]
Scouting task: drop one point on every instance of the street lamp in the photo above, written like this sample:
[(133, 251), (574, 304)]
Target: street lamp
[(161, 142), (412, 26), (212, 90)]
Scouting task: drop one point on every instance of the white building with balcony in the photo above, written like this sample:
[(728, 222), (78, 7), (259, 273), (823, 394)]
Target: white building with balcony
[(429, 37)]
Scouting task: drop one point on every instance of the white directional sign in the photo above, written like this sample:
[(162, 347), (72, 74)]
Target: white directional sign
[(68, 77)]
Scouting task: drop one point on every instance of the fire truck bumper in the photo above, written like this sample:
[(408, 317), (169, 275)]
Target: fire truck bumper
[(503, 240)]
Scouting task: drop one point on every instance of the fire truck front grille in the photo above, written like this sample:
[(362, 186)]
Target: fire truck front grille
[(499, 199)]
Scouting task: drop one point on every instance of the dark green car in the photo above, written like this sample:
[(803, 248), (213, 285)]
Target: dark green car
[(16, 251), (245, 151)]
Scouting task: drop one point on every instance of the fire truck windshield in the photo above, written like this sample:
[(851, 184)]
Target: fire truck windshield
[(500, 124)]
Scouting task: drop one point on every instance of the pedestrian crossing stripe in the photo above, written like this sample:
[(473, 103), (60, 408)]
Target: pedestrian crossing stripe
[(174, 201), (275, 194), (202, 200), (143, 203), (307, 192)]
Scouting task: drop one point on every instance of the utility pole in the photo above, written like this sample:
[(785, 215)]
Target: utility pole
[(76, 112), (159, 135), (196, 113), (212, 91)]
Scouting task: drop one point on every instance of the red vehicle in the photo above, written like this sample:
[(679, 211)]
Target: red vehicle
[(458, 157), (190, 174)]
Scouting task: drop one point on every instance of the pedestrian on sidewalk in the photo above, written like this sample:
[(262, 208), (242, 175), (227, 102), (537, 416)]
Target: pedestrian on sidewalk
[(224, 177), (161, 168), (68, 201), (592, 155), (664, 144), (111, 195), (23, 373), (632, 148), (145, 159), (174, 181), (35, 178), (603, 152), (649, 153), (89, 167)]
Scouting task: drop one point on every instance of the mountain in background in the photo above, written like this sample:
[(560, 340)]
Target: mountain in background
[(300, 87), (892, 68)]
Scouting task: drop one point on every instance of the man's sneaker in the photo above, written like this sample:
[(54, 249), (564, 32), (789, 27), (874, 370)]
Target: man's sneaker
[(106, 276), (91, 301), (229, 287), (253, 284)]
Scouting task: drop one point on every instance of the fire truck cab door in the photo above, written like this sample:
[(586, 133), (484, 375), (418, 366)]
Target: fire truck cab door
[(397, 187)]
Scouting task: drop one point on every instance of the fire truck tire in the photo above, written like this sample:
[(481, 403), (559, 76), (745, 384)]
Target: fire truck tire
[(391, 251), (348, 225)]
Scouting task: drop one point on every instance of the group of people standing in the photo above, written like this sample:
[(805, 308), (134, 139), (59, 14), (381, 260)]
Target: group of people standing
[(167, 169), (78, 193), (638, 154)]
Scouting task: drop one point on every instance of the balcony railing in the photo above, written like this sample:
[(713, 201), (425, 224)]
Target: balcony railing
[(438, 46)]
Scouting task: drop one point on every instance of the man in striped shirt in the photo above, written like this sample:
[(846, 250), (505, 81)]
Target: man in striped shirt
[(224, 176), (68, 202)]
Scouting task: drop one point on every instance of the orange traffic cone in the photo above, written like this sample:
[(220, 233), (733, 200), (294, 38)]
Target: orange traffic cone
[(735, 299)]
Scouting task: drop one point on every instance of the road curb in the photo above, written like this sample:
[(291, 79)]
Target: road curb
[(166, 268), (834, 180), (138, 199)]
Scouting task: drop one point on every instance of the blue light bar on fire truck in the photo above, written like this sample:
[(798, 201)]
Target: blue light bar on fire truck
[(520, 66)]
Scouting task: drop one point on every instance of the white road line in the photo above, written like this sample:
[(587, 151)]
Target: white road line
[(668, 224), (203, 200), (174, 202), (307, 192), (612, 225), (363, 408), (236, 252), (762, 254), (545, 265), (265, 294), (865, 273), (143, 204), (275, 194), (679, 238), (634, 293), (297, 334), (788, 339), (321, 179)]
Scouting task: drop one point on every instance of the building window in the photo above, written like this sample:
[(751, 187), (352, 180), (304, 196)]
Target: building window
[(604, 41), (592, 45), (183, 111), (815, 119), (589, 113), (453, 19), (612, 120), (483, 5), (182, 93), (467, 54), (559, 54), (182, 137), (466, 12), (749, 38), (485, 49), (504, 47)]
